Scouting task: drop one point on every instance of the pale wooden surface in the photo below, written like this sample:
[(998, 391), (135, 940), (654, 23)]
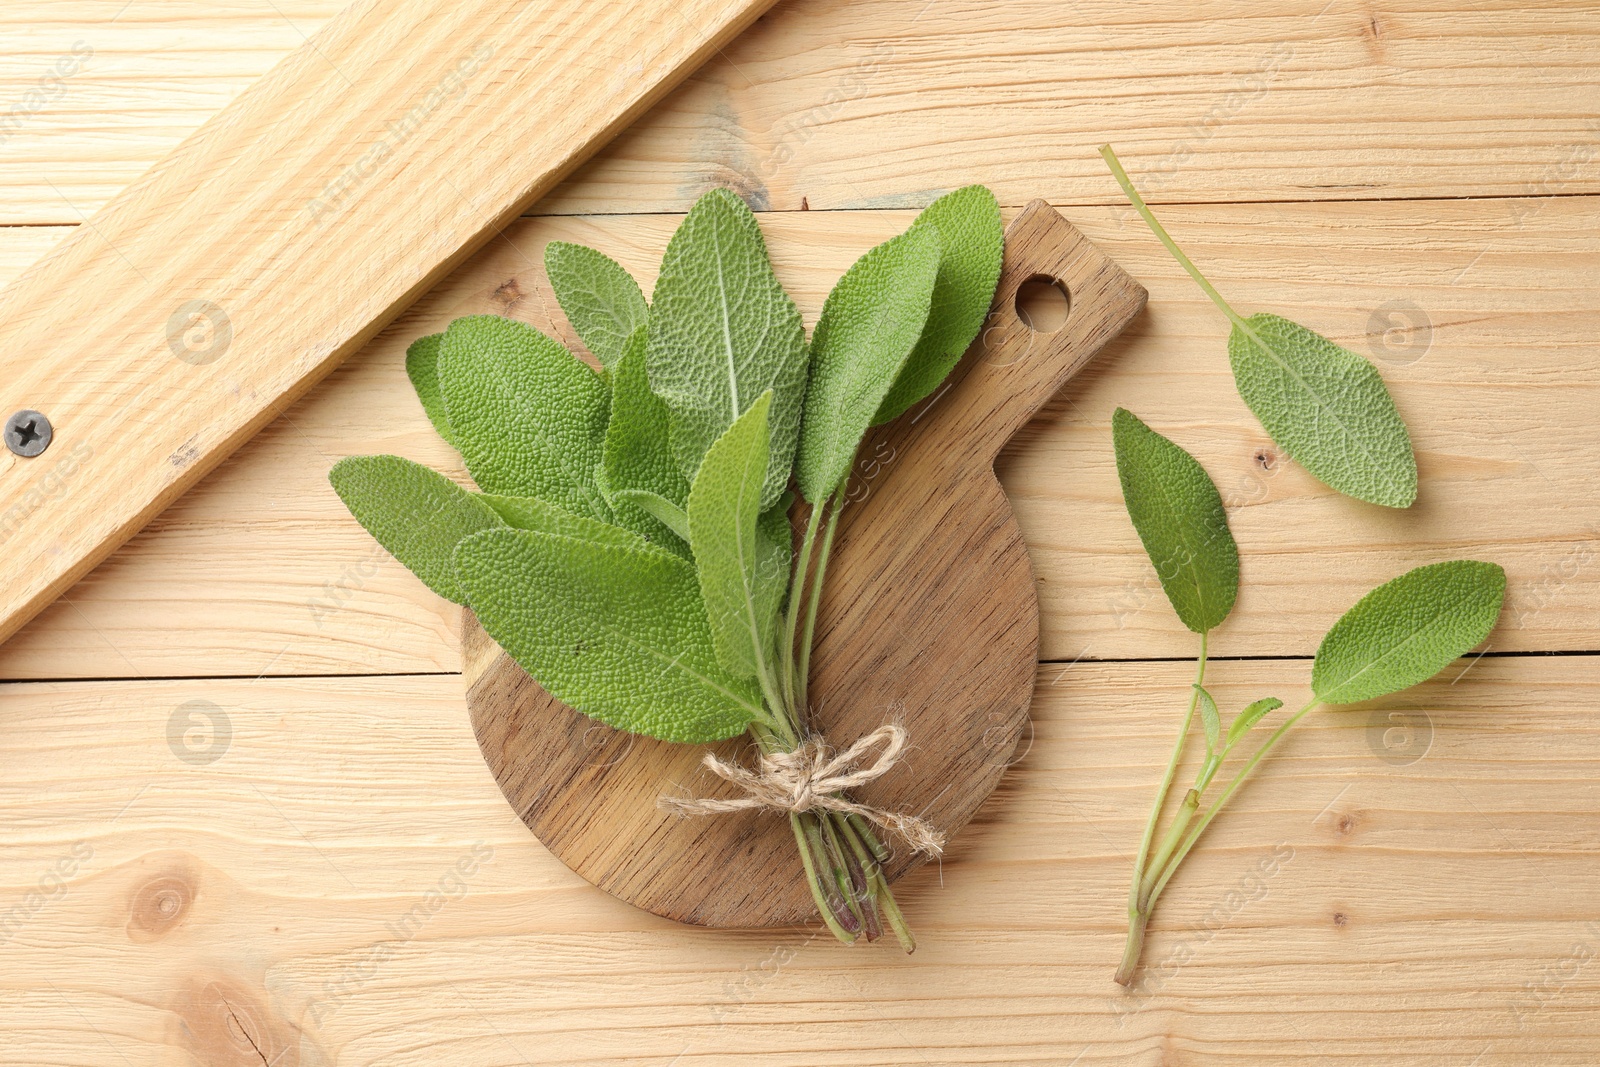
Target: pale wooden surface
[(197, 305), (878, 103), (928, 620), (1426, 914), (261, 568), (1466, 880)]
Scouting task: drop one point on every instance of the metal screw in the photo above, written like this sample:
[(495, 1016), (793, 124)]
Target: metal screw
[(28, 433)]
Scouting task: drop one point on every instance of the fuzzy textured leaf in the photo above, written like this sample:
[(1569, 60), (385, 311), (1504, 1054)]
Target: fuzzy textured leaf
[(722, 332), (1251, 715), (638, 455), (1407, 630), (600, 298), (1178, 513), (775, 549), (664, 511), (1324, 405), (422, 367), (724, 513), (869, 326), (417, 514), (619, 634), (1327, 407), (527, 415), (971, 239), (1210, 718), (532, 513)]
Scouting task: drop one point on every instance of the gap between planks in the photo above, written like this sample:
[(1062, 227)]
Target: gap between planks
[(399, 675), (1534, 277)]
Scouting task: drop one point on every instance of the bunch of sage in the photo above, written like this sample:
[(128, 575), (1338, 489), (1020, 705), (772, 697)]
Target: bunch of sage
[(629, 541)]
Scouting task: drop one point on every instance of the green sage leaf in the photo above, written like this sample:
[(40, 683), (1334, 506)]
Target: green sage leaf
[(417, 514), (600, 298), (724, 513), (1178, 513), (869, 326), (528, 416), (532, 513), (639, 468), (971, 239), (1327, 407), (660, 508), (1210, 718), (1251, 715), (775, 548), (422, 367), (722, 332), (1407, 630), (1324, 405), (617, 633)]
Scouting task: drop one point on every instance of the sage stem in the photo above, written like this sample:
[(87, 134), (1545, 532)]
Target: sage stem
[(777, 709), (892, 912), (863, 868), (803, 669), (833, 887), (1137, 921), (1211, 812), (1169, 844), (1134, 894), (813, 879), (1139, 898), (1172, 246), (863, 830), (797, 586)]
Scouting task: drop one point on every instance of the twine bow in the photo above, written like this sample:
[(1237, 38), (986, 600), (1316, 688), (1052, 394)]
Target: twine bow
[(814, 776)]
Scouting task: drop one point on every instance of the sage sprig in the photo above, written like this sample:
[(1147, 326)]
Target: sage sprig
[(1324, 405), (629, 543), (1400, 634)]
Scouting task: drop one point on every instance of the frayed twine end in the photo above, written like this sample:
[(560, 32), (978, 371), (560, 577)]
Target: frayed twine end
[(814, 777)]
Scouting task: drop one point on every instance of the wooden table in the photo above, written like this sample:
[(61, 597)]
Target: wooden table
[(244, 818)]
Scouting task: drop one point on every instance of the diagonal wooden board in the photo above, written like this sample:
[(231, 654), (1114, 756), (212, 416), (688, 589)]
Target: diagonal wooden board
[(930, 618), (281, 236)]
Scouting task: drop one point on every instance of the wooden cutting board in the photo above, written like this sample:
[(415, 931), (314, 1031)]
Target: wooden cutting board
[(929, 619), (283, 234)]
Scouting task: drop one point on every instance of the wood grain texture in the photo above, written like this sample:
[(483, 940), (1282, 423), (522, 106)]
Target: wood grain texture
[(94, 92), (261, 569), (320, 890), (307, 884), (213, 292), (928, 619), (875, 103)]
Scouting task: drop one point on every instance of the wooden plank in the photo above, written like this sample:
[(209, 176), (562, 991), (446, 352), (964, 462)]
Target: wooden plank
[(343, 883), (260, 568), (289, 230), (873, 103), (93, 92), (23, 246)]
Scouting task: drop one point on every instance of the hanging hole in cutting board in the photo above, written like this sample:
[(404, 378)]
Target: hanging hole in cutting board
[(1043, 303)]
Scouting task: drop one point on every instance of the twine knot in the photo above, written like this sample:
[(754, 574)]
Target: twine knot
[(814, 777)]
